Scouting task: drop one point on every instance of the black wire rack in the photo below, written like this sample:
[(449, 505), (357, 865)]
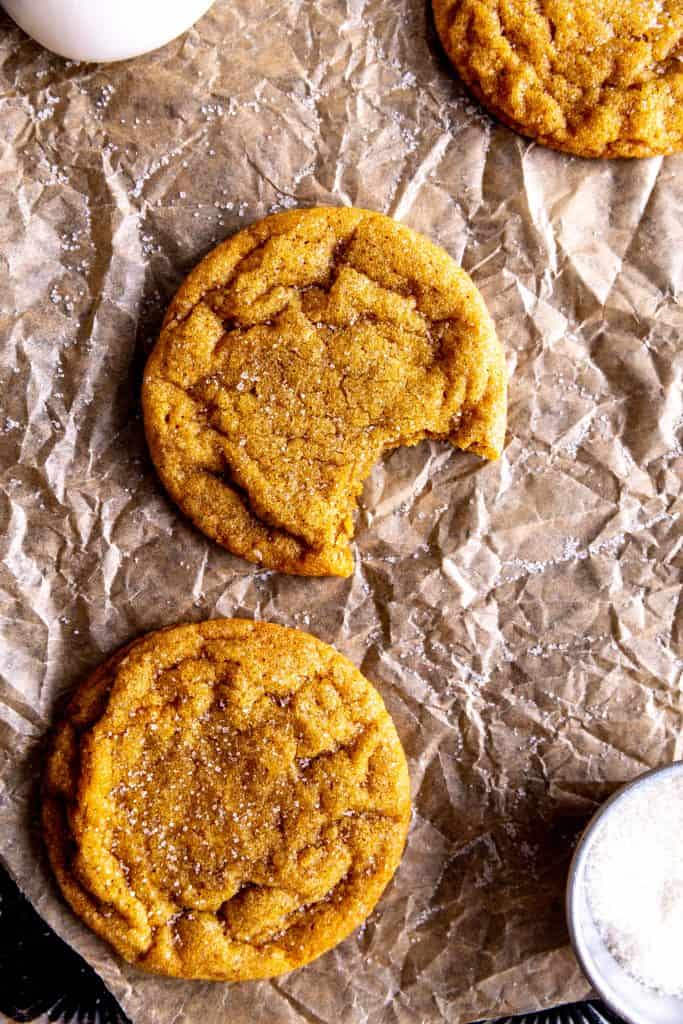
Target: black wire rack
[(41, 978)]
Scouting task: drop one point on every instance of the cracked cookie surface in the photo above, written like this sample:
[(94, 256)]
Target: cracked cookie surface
[(598, 78), (294, 355), (225, 800)]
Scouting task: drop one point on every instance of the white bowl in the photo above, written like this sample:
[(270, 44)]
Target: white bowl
[(631, 1000), (104, 30)]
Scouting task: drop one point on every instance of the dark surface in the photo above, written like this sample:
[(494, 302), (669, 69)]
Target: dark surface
[(42, 977)]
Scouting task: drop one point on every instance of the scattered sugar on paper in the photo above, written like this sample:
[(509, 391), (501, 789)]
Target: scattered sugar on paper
[(634, 879)]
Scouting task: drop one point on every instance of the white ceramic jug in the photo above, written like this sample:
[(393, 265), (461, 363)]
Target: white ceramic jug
[(104, 30)]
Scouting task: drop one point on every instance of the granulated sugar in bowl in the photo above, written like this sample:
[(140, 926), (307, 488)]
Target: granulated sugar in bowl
[(625, 899), (634, 881)]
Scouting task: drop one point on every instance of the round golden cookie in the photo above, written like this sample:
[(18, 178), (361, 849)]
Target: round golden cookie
[(599, 78), (225, 800), (292, 357)]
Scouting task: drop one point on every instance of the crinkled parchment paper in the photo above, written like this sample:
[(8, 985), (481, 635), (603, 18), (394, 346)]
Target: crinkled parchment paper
[(522, 619)]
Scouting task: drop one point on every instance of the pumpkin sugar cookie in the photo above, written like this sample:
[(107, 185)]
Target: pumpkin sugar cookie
[(225, 800), (598, 78), (294, 355)]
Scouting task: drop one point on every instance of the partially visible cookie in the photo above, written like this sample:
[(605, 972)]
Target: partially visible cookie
[(226, 800), (294, 355), (598, 78)]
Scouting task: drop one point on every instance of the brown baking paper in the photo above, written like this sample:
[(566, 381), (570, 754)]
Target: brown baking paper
[(522, 618)]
